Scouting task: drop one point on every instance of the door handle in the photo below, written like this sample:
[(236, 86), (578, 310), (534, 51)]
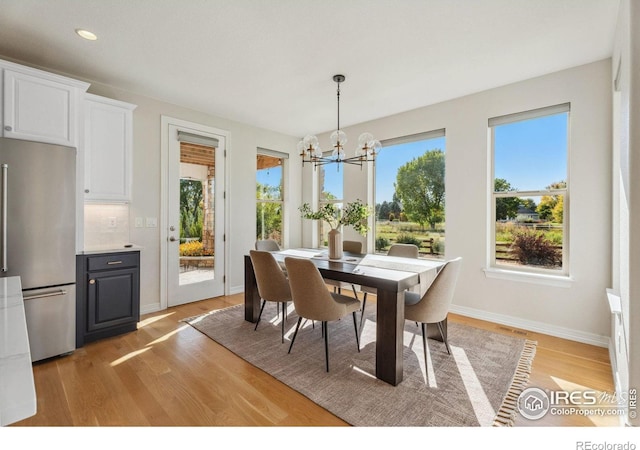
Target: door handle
[(48, 294), (172, 239)]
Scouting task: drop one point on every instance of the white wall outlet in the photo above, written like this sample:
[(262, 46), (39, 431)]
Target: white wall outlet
[(112, 222), (152, 222), (139, 222)]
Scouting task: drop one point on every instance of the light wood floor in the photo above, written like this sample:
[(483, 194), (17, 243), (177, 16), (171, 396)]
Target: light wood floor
[(168, 374)]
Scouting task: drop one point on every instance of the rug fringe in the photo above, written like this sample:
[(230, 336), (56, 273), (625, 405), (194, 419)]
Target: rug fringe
[(507, 413)]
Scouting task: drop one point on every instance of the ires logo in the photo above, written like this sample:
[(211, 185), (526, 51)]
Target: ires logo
[(535, 403)]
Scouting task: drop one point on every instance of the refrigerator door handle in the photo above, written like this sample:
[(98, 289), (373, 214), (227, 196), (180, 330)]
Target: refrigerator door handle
[(3, 220), (48, 294)]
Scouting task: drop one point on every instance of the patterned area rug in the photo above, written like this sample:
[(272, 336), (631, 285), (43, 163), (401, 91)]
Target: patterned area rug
[(477, 385)]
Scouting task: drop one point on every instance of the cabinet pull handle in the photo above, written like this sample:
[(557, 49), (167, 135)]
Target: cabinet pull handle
[(92, 281), (114, 262), (7, 128)]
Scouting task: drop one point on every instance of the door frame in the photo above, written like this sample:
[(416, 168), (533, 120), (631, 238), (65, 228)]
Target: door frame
[(166, 123)]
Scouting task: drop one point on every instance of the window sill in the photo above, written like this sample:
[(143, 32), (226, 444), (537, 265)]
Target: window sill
[(527, 277)]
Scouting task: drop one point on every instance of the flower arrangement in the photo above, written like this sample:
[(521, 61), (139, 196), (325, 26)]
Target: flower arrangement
[(354, 214)]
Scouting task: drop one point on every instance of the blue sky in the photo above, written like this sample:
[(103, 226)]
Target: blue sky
[(532, 154), (529, 154), (270, 177)]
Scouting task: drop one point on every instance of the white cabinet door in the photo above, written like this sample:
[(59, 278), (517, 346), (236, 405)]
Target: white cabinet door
[(41, 107), (108, 142)]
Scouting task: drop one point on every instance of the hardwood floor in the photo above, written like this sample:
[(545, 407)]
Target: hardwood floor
[(168, 374)]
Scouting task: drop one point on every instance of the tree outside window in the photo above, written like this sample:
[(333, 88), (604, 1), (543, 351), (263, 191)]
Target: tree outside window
[(410, 193), (269, 198)]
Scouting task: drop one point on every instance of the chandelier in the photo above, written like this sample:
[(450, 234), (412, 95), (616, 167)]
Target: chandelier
[(310, 151)]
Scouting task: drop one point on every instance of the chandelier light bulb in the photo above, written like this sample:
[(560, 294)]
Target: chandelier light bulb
[(338, 138), (375, 147), (301, 148)]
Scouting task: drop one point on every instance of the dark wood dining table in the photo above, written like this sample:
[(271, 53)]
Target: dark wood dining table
[(391, 276)]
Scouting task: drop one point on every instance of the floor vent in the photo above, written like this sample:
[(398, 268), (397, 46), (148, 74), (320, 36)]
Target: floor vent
[(511, 330)]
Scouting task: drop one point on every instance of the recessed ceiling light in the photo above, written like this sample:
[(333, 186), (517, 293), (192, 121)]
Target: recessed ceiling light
[(88, 35)]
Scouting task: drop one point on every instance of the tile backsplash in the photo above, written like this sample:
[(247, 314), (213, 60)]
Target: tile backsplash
[(106, 224)]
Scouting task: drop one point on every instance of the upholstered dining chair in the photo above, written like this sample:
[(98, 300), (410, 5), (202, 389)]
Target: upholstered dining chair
[(313, 301), (267, 245), (272, 282), (433, 306), (351, 247), (402, 250)]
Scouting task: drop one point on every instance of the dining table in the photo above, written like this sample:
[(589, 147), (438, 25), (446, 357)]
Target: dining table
[(391, 276)]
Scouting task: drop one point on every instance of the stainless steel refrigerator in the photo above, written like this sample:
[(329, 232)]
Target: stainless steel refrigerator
[(37, 239)]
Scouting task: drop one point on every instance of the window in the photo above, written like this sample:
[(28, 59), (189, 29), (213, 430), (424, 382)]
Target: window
[(331, 188), (530, 191), (410, 193), (270, 195)]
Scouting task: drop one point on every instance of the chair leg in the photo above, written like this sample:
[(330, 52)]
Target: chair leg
[(355, 326), (326, 343), (260, 315), (424, 343), (294, 334), (443, 333), (364, 303), (284, 318)]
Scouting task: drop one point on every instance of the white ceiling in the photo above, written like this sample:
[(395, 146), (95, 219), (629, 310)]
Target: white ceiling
[(270, 63)]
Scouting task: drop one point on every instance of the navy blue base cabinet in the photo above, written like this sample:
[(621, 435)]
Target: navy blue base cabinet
[(108, 295)]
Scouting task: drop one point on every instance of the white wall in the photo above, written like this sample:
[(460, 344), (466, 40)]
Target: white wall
[(241, 164), (626, 186), (634, 205), (577, 312)]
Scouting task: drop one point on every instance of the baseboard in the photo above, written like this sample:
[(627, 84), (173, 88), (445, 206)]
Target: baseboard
[(538, 327), (236, 289), (153, 307)]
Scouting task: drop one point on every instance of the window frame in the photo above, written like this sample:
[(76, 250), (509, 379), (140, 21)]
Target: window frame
[(528, 272), (406, 139)]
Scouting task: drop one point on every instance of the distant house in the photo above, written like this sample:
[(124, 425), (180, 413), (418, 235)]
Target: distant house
[(527, 214)]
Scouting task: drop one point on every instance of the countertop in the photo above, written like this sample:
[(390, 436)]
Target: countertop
[(113, 248), (17, 389)]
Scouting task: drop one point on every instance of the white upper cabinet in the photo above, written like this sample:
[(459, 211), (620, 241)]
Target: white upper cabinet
[(108, 142), (40, 106)]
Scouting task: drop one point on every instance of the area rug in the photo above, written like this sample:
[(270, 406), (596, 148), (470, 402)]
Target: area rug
[(477, 385)]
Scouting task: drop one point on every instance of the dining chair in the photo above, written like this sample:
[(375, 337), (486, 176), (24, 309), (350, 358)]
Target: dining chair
[(404, 250), (267, 245), (401, 250), (433, 306), (351, 247), (272, 283), (313, 301)]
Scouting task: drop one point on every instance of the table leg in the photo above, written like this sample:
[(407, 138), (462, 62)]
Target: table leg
[(389, 336), (251, 296)]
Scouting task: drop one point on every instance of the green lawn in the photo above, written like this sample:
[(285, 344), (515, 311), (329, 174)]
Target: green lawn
[(388, 233)]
